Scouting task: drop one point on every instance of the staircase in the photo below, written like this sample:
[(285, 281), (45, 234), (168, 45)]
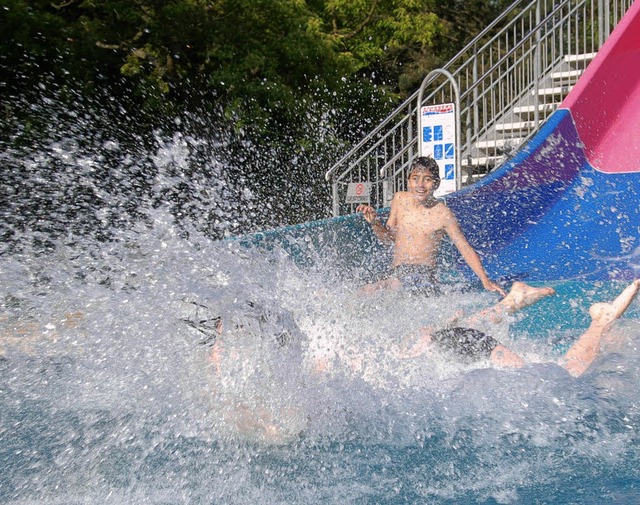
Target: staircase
[(510, 79), (515, 126)]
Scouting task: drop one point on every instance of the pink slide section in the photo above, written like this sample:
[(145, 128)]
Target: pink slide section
[(605, 103)]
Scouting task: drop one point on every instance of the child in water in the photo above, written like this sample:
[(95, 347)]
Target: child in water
[(462, 338), (274, 334), (468, 343)]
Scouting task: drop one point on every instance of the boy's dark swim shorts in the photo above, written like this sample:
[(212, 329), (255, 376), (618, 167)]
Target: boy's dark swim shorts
[(465, 343), (417, 278)]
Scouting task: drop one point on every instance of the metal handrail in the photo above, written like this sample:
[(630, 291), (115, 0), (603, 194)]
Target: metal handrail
[(503, 68), (413, 97)]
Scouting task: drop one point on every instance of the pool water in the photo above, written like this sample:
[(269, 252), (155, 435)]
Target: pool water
[(108, 396)]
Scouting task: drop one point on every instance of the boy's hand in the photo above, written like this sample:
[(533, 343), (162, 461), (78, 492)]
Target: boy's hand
[(492, 286), (368, 212)]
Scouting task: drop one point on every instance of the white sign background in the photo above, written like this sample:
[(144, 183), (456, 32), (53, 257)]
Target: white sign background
[(358, 192)]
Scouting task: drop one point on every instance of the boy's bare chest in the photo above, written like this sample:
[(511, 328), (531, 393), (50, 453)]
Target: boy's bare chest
[(423, 221)]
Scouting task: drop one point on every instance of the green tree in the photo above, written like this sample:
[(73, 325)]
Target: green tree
[(296, 81), (257, 59)]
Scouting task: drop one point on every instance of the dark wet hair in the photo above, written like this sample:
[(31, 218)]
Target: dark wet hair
[(426, 164), (267, 322), (467, 344)]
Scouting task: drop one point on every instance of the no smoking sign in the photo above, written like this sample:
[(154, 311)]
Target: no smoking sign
[(358, 192)]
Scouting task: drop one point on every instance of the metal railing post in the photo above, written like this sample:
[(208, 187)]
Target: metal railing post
[(476, 116), (387, 191), (470, 134), (537, 70), (601, 24)]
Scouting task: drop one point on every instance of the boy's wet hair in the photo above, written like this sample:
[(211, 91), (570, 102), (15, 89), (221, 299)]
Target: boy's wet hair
[(426, 164), (253, 318)]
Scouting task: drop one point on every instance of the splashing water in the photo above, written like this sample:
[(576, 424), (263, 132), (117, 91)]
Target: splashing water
[(110, 389)]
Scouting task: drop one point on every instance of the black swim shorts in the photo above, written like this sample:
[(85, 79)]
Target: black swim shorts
[(417, 278), (466, 344)]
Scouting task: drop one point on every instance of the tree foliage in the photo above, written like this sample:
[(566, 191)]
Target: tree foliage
[(300, 78), (259, 59)]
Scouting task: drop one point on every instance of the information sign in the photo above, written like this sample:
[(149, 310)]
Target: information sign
[(438, 140)]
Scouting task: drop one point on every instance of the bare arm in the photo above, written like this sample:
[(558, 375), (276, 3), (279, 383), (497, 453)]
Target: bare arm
[(469, 254), (386, 233), (505, 357)]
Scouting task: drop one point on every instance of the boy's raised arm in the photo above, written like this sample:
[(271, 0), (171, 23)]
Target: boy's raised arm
[(384, 232), (469, 254)]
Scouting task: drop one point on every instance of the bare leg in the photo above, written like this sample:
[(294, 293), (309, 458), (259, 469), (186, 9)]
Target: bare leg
[(581, 354), (520, 296), (27, 335)]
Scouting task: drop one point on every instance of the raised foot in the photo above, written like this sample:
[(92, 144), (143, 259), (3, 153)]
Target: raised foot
[(523, 295), (605, 313)]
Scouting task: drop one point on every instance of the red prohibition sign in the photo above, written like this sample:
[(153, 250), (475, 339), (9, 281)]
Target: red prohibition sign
[(359, 188)]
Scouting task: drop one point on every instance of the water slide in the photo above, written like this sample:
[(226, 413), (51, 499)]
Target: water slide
[(566, 206)]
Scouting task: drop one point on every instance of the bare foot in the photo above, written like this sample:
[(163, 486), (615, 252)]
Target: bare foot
[(603, 314), (522, 295), (582, 353)]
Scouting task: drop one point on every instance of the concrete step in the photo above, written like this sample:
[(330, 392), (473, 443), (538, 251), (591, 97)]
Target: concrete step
[(471, 178), (568, 76), (480, 161), (501, 145), (579, 58), (529, 110), (553, 91), (515, 126)]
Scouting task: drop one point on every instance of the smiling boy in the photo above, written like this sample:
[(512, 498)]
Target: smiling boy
[(416, 227)]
